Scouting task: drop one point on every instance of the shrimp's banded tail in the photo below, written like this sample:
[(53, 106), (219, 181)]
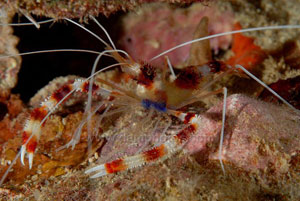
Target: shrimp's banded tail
[(156, 153), (38, 117)]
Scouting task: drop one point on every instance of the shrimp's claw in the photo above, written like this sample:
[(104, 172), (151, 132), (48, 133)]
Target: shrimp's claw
[(24, 150), (32, 132), (28, 147), (38, 117), (100, 169), (30, 159), (154, 154)]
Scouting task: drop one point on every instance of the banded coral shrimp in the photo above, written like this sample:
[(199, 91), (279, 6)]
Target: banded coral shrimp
[(145, 103)]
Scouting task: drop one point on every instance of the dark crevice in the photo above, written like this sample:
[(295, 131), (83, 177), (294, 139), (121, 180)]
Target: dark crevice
[(3, 110), (38, 70)]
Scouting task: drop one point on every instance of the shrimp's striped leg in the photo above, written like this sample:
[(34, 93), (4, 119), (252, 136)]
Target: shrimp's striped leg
[(38, 117), (156, 153), (224, 91)]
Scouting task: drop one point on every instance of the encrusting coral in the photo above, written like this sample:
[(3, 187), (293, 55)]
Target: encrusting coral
[(80, 9), (10, 66)]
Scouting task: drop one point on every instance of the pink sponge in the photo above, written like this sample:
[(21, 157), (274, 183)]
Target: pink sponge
[(258, 135), (158, 27)]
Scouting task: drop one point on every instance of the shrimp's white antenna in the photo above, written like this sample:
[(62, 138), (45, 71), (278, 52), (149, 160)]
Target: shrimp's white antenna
[(27, 23), (104, 30), (94, 69), (9, 168), (89, 31), (52, 51), (30, 18), (227, 33), (266, 86)]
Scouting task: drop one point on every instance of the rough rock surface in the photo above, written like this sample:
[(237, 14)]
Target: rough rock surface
[(9, 66), (80, 9), (261, 154)]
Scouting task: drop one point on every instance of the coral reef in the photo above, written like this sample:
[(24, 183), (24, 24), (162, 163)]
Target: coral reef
[(58, 131), (10, 66), (261, 145), (80, 9), (260, 156), (255, 142)]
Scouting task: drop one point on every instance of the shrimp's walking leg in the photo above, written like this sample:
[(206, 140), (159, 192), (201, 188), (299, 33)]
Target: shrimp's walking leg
[(222, 129), (224, 91)]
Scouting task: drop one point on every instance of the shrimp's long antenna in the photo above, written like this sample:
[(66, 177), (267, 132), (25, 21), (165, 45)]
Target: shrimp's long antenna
[(53, 51), (30, 18), (27, 23), (89, 31), (9, 168), (266, 86), (104, 30), (93, 73), (227, 33), (116, 56)]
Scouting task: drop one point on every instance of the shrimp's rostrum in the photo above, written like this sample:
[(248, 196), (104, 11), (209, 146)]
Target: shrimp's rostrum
[(159, 92)]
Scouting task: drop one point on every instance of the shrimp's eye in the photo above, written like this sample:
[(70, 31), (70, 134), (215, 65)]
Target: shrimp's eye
[(147, 75), (215, 66)]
